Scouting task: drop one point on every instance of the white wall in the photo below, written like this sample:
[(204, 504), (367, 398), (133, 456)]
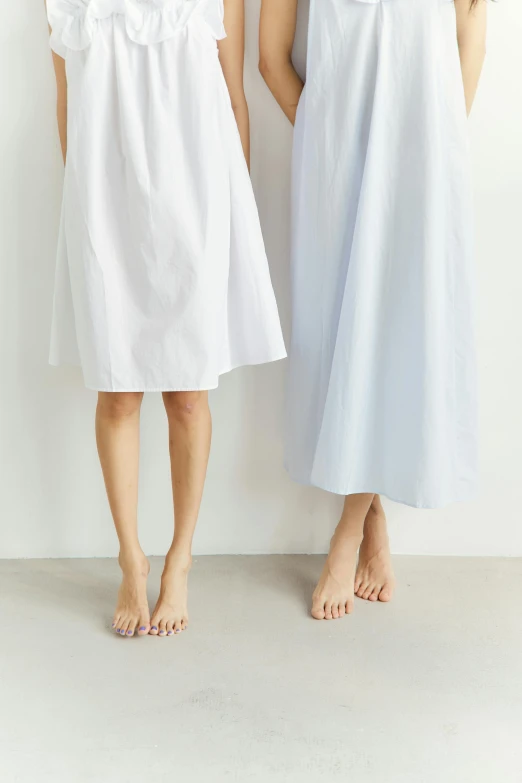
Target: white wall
[(52, 501)]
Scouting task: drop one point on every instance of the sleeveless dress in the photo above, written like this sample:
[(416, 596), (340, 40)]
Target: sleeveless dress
[(382, 390), (162, 279)]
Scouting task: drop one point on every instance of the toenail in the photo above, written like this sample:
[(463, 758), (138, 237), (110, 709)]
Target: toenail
[(154, 628), (113, 625), (169, 633), (178, 630), (117, 630), (162, 633), (143, 628), (129, 633)]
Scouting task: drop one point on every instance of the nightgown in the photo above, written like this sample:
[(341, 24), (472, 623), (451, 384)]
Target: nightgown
[(162, 281), (382, 389)]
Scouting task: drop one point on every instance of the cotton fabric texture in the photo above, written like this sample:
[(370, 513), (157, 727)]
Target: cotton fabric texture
[(382, 392), (162, 279)]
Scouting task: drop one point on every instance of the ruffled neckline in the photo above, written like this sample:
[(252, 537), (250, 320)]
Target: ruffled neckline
[(74, 22)]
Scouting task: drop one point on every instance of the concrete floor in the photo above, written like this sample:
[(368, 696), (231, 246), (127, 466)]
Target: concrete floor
[(427, 689)]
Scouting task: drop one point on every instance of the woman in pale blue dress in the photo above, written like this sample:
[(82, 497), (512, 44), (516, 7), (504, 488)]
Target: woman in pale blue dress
[(382, 387)]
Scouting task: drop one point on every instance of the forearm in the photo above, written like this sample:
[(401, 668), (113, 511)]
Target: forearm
[(243, 123), (61, 112), (284, 83), (61, 101), (472, 57), (471, 36)]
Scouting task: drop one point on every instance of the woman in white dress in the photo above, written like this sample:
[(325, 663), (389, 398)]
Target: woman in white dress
[(162, 280), (382, 370)]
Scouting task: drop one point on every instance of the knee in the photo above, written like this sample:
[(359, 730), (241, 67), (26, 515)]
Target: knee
[(116, 405), (185, 405)]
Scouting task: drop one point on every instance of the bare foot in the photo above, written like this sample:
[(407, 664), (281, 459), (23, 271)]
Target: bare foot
[(170, 615), (334, 597), (132, 610), (374, 579)]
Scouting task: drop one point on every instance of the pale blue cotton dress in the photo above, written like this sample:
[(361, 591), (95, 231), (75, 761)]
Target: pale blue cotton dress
[(382, 389)]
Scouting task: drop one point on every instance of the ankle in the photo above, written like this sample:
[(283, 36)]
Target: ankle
[(178, 559), (376, 528), (133, 558), (345, 540)]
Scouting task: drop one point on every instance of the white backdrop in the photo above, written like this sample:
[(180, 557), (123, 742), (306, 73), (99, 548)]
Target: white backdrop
[(52, 500)]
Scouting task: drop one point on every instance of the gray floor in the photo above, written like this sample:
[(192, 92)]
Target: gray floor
[(427, 689)]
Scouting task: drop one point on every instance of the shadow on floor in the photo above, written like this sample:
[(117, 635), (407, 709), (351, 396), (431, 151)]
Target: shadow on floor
[(292, 577), (77, 588), (86, 589)]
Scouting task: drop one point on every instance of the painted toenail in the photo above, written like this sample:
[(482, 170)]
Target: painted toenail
[(143, 628), (178, 630), (154, 628), (117, 630), (129, 633), (169, 633)]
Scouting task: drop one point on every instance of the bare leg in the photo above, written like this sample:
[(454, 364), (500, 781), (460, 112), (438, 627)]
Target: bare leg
[(334, 595), (190, 429), (117, 436), (374, 579)]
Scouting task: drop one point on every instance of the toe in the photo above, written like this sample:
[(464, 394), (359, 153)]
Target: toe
[(374, 595), (386, 594), (328, 612), (342, 610), (335, 611), (361, 590), (116, 625), (123, 627), (170, 628), (154, 627), (184, 623), (163, 628), (358, 583), (131, 629), (143, 627), (367, 593), (178, 627), (349, 606), (318, 607)]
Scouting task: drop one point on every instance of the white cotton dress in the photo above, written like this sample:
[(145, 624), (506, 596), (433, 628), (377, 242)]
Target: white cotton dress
[(162, 279), (382, 394)]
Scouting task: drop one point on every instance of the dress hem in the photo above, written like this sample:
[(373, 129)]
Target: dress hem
[(195, 388), (359, 490)]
